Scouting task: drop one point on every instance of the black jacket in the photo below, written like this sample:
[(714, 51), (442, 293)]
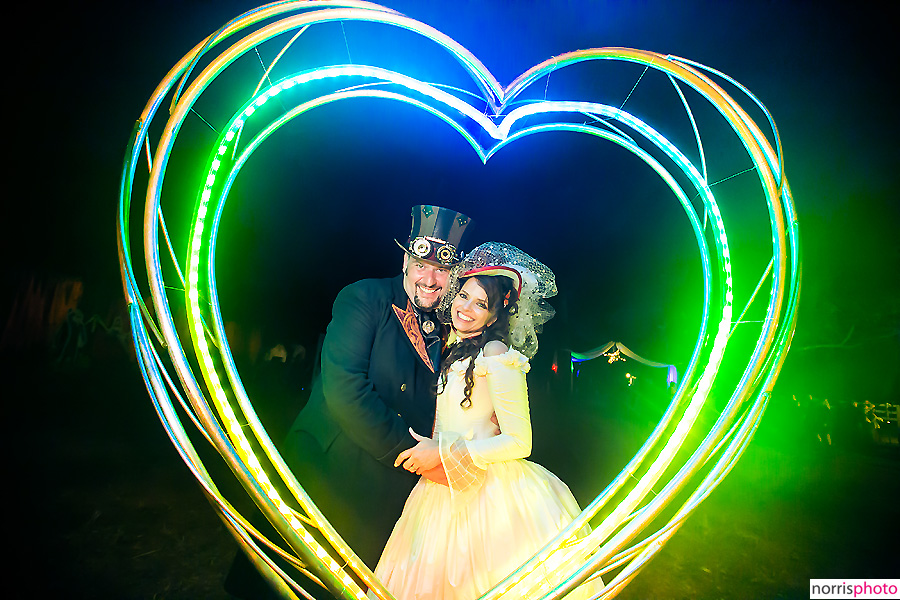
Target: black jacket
[(376, 382)]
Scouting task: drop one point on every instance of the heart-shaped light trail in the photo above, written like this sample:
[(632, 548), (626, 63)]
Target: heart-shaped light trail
[(620, 542)]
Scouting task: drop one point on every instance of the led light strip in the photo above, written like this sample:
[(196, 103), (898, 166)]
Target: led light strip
[(608, 542)]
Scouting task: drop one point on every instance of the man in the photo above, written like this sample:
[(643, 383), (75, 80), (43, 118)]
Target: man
[(380, 360)]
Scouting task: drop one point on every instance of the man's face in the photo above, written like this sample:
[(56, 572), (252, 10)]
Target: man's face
[(424, 281)]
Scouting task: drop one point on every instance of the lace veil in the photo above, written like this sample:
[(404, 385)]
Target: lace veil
[(538, 283)]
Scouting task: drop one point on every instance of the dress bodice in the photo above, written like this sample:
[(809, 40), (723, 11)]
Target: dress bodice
[(500, 388)]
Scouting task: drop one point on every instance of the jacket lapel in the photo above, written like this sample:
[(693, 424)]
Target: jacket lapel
[(410, 324)]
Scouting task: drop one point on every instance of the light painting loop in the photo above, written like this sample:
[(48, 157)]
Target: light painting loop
[(621, 542)]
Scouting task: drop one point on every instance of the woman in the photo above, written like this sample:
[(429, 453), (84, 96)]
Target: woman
[(456, 541)]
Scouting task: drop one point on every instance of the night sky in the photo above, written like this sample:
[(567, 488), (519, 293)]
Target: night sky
[(319, 207)]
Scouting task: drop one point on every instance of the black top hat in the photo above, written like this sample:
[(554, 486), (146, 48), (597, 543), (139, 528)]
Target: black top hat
[(437, 234)]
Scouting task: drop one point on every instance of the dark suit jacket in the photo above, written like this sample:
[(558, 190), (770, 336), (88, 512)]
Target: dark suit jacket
[(375, 384)]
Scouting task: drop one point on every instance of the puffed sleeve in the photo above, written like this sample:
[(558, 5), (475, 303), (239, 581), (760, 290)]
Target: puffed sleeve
[(349, 392), (504, 377)]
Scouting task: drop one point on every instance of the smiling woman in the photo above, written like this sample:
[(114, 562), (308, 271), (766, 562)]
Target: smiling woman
[(457, 539), (488, 117), (470, 312)]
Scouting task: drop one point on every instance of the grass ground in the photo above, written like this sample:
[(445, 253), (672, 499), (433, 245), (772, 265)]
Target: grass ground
[(109, 511)]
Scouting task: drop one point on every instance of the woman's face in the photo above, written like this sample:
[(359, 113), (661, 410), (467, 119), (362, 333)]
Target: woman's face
[(469, 310)]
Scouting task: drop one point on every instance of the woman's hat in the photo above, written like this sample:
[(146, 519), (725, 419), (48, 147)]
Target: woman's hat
[(437, 234), (494, 271), (535, 281)]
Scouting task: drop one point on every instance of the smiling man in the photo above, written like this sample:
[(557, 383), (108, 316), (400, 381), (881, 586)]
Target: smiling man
[(380, 360), (424, 282)]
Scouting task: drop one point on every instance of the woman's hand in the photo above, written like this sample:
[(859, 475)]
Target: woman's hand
[(424, 456), (436, 475)]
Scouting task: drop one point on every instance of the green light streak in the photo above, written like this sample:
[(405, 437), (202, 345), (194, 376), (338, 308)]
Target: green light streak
[(631, 516)]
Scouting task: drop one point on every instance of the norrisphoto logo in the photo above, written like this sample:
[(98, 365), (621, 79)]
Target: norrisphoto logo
[(854, 588)]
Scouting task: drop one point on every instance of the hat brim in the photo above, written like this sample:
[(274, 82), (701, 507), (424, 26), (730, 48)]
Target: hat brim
[(495, 271)]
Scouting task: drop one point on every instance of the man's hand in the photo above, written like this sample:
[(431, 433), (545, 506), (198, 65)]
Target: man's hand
[(497, 423), (422, 457)]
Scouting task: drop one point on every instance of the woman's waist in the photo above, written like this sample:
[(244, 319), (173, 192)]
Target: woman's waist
[(471, 431)]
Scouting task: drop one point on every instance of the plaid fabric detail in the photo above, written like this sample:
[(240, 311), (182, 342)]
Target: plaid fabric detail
[(463, 476)]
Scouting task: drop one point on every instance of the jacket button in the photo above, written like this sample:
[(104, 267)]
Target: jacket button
[(402, 387)]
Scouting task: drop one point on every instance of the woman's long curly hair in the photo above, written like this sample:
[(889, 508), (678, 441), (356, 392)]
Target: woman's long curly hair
[(497, 288)]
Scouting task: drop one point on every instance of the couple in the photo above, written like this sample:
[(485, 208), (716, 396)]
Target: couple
[(372, 443)]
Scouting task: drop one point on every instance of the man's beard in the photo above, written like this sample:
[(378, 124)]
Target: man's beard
[(421, 304), (415, 295)]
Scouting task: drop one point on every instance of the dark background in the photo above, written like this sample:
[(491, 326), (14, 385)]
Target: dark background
[(345, 182), (318, 207)]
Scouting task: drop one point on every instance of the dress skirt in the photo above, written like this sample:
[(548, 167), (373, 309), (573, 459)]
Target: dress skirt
[(439, 551)]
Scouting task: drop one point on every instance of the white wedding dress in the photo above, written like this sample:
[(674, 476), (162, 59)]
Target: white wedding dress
[(458, 542)]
